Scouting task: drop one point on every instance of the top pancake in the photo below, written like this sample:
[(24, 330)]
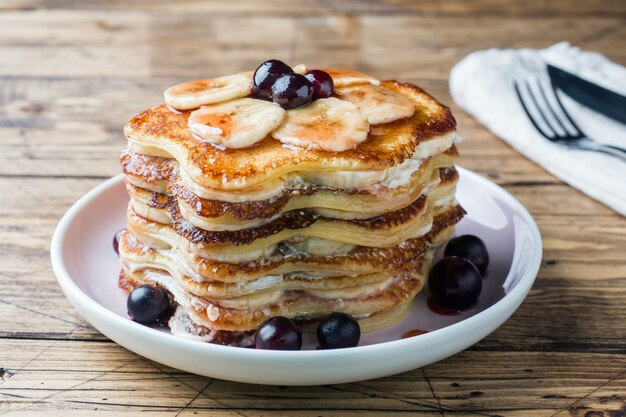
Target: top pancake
[(162, 131)]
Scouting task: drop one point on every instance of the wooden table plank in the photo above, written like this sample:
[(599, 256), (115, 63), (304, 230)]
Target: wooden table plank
[(403, 46), (79, 375), (308, 7)]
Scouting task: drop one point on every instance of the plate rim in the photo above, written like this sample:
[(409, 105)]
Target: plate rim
[(77, 296)]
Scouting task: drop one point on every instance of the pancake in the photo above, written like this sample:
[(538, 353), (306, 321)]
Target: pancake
[(134, 256), (301, 228), (269, 289), (291, 304), (214, 215), (159, 131), (182, 326), (220, 215), (285, 259)]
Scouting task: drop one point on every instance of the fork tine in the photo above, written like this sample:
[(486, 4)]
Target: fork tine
[(528, 113), (579, 133), (554, 114), (540, 109)]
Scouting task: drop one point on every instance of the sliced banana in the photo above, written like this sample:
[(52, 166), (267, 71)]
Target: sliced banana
[(379, 104), (344, 77), (299, 69), (237, 123), (329, 124), (194, 94)]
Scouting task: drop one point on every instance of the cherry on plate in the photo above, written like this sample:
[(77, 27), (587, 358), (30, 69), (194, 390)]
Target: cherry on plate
[(266, 75), (323, 86), (454, 283), (116, 240), (471, 248), (338, 331), (291, 91), (147, 303), (279, 333)]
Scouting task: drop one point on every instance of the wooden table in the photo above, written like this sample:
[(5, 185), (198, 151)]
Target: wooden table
[(72, 73)]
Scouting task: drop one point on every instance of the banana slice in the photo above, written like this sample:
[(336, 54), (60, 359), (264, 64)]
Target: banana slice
[(379, 104), (344, 77), (194, 94), (299, 69), (237, 123), (329, 124)]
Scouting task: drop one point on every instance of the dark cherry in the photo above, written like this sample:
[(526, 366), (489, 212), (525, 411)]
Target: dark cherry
[(323, 86), (147, 304), (116, 240), (266, 75), (279, 333), (338, 331), (291, 91), (454, 283), (471, 248)]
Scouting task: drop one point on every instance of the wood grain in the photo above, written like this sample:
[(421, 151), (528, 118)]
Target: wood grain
[(72, 73)]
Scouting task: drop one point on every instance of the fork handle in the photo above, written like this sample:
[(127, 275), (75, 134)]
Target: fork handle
[(608, 149)]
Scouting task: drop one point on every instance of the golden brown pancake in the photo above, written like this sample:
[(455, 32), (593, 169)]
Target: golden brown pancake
[(337, 232), (284, 260), (291, 304), (135, 255), (216, 215), (144, 175), (182, 326), (160, 131)]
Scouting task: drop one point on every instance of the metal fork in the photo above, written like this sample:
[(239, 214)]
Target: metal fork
[(573, 138)]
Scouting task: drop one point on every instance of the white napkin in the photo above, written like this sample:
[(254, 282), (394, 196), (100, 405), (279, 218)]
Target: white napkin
[(482, 84)]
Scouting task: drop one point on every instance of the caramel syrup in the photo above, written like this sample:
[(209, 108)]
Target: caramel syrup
[(222, 121), (413, 333)]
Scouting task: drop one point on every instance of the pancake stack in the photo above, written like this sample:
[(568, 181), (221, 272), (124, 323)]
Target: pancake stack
[(237, 235)]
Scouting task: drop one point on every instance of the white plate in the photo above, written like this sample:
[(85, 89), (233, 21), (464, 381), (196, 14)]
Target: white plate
[(87, 268)]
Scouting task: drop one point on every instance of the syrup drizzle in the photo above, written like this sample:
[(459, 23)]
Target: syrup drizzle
[(413, 333)]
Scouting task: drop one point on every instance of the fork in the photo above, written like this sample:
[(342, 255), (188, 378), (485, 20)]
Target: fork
[(573, 138)]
